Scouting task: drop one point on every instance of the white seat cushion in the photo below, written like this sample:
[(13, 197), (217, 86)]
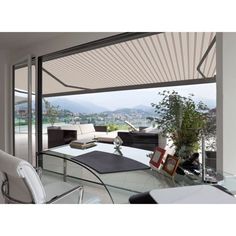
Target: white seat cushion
[(87, 128), (91, 135), (72, 127)]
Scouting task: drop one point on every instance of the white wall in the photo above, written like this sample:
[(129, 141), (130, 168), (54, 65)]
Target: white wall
[(226, 102), (4, 79), (2, 83), (4, 76)]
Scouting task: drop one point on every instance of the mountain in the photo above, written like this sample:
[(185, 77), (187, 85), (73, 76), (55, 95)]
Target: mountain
[(81, 106), (149, 109), (77, 106), (130, 111)]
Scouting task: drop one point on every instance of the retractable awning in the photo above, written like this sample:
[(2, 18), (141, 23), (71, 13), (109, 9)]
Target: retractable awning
[(156, 60), (20, 99)]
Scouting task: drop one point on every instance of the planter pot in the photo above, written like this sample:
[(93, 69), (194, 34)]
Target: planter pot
[(211, 159)]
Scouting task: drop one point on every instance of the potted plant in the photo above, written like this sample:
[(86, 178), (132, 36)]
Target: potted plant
[(181, 120)]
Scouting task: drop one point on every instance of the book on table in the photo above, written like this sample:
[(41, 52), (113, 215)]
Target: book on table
[(83, 143)]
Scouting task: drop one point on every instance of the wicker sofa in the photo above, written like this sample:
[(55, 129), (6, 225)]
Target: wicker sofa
[(146, 139), (87, 131), (67, 133)]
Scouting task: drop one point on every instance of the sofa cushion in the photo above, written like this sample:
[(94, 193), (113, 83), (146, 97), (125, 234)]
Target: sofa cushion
[(72, 127), (98, 135), (85, 136), (87, 128)]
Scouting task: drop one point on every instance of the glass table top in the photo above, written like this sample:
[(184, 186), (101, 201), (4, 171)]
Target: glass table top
[(133, 153), (58, 160)]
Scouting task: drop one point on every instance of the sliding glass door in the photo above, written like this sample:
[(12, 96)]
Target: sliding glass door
[(24, 110)]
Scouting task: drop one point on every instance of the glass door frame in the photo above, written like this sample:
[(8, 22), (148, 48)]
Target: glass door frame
[(38, 110), (25, 62)]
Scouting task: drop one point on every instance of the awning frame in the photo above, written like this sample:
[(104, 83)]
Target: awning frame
[(133, 87), (111, 41)]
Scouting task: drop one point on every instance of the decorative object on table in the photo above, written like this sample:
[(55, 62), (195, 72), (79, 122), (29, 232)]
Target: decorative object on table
[(157, 157), (171, 164), (83, 144), (149, 155), (118, 152), (117, 142)]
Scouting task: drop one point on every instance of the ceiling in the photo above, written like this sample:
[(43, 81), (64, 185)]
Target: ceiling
[(20, 40), (151, 61)]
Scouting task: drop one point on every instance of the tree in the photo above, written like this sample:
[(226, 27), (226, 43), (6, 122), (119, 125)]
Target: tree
[(180, 119), (52, 112)]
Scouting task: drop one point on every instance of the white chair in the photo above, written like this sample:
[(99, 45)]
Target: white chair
[(22, 184)]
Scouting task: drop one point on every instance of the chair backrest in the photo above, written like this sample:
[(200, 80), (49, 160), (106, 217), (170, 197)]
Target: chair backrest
[(23, 182)]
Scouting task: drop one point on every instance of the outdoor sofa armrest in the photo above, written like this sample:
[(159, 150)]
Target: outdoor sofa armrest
[(100, 128)]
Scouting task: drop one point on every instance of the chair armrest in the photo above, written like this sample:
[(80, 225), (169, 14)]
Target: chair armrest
[(61, 196), (4, 191), (100, 128)]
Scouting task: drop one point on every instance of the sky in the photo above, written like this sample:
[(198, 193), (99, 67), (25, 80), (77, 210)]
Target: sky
[(132, 98)]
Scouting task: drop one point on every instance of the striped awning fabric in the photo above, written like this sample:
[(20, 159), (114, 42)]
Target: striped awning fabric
[(154, 60)]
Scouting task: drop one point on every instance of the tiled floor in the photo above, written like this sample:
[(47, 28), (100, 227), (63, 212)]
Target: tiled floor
[(93, 193)]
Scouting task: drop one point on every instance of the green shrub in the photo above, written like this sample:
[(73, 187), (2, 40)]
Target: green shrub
[(112, 127), (182, 120)]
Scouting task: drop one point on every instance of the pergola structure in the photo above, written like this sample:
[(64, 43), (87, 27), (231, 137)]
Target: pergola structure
[(150, 60)]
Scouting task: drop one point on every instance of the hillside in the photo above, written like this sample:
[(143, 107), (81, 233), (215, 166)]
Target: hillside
[(77, 106)]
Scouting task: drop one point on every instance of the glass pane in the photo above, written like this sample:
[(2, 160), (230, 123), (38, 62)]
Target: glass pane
[(21, 121)]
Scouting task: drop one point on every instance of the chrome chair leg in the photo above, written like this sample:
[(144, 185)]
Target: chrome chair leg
[(81, 195)]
